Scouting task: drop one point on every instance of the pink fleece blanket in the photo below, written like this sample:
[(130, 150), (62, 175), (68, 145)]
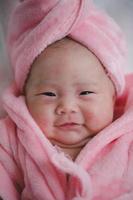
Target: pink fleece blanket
[(32, 169)]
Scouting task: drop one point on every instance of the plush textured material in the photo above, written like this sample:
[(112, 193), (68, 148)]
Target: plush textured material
[(31, 168), (35, 24)]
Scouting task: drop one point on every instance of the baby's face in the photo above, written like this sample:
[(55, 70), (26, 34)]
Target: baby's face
[(69, 94)]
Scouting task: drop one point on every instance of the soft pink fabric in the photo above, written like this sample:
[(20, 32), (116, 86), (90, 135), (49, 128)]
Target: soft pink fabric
[(35, 24), (32, 169)]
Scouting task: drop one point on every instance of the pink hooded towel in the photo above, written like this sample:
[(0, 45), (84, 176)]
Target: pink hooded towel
[(30, 167)]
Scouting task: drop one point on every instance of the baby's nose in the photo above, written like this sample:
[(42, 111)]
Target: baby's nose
[(67, 107)]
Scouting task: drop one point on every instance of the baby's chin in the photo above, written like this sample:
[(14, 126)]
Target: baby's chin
[(70, 145)]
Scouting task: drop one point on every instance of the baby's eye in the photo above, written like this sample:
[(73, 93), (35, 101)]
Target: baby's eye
[(86, 92), (50, 94)]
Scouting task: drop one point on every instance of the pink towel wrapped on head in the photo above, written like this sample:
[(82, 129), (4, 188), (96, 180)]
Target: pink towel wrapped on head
[(35, 24), (30, 167)]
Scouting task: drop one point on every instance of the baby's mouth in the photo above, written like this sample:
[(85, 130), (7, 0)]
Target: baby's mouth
[(69, 126)]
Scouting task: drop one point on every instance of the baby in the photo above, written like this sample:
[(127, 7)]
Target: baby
[(68, 133), (69, 95)]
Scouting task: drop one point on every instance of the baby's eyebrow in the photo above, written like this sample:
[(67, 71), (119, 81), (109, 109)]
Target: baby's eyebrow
[(89, 83), (55, 84), (47, 83)]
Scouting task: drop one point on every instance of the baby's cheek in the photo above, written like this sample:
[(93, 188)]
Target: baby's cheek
[(96, 121), (44, 124), (38, 115), (42, 120)]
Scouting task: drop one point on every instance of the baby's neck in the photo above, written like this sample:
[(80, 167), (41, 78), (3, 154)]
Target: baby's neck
[(72, 153)]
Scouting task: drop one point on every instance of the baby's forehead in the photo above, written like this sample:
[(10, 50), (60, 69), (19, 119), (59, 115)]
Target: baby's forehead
[(64, 45), (66, 48)]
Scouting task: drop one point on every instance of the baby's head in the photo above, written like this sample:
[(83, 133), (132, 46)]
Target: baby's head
[(69, 94), (77, 59)]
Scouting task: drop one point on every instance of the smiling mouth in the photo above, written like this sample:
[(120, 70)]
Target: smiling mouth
[(69, 126)]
